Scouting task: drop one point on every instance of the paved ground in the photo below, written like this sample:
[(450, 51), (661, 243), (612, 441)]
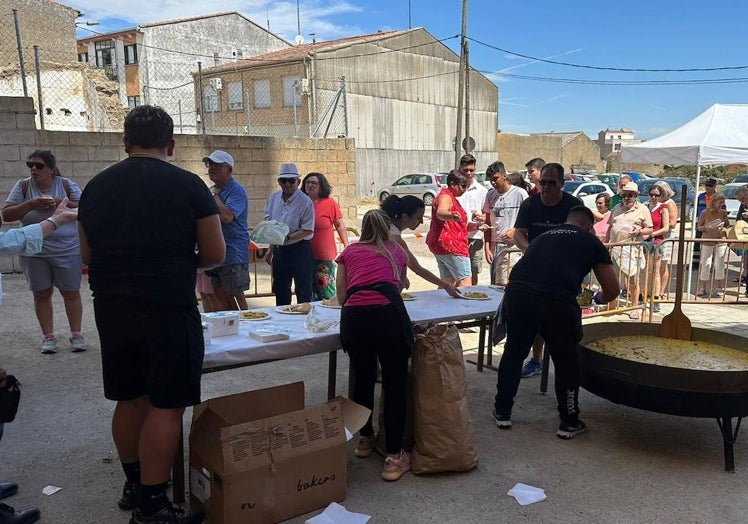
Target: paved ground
[(632, 466)]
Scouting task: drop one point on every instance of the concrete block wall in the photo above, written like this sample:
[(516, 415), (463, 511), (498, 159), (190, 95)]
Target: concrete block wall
[(80, 155)]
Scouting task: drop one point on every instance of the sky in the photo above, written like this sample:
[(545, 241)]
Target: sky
[(512, 43)]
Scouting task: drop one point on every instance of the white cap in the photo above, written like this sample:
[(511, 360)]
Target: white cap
[(220, 157), (288, 170)]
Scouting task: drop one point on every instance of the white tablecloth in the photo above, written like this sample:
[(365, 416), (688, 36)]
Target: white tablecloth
[(429, 306)]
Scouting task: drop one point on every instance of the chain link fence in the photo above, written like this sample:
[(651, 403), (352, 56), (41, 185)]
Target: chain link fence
[(93, 87)]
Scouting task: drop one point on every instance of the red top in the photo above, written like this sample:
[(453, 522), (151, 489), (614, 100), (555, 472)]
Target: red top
[(448, 237), (326, 212), (534, 191), (657, 220)]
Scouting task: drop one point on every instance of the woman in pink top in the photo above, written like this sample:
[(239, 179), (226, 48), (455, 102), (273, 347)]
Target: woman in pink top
[(447, 237), (601, 214), (375, 325), (327, 218)]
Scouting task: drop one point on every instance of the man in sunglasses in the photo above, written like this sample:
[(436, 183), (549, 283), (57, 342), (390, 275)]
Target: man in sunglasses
[(538, 214), (292, 261), (231, 279)]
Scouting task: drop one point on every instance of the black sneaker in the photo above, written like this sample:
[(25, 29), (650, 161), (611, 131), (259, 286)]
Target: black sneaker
[(24, 516), (130, 495), (569, 431), (169, 514), (502, 422)]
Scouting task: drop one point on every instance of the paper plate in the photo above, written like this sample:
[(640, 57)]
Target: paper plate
[(286, 311), (322, 304), (408, 297), (241, 317), (487, 297)]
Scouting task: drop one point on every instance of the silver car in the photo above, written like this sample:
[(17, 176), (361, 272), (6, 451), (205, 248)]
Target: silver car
[(422, 185)]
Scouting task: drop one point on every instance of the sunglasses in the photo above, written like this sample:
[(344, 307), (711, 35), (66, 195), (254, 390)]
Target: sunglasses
[(311, 183), (283, 181), (209, 163), (548, 183), (630, 195), (463, 186), (37, 165), (654, 194)]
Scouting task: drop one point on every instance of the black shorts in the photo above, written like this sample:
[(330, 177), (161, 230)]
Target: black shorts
[(150, 349)]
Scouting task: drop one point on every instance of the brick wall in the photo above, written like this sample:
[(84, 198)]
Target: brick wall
[(257, 159)]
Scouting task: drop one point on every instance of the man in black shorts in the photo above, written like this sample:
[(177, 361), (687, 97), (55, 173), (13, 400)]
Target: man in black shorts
[(541, 299), (539, 213), (139, 223)]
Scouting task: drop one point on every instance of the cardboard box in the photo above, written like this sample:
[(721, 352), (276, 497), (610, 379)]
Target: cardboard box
[(224, 323), (261, 457)]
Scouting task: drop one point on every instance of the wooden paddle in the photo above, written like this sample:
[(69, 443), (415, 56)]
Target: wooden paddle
[(676, 324)]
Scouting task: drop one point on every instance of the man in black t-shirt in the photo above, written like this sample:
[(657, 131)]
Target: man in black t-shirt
[(538, 214), (541, 300), (139, 223)]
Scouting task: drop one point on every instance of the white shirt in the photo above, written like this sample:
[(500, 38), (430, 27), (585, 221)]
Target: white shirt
[(472, 200)]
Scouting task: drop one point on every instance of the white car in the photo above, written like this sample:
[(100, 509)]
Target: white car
[(586, 191)]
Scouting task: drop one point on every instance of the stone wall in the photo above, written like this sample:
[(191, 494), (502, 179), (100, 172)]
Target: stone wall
[(81, 155)]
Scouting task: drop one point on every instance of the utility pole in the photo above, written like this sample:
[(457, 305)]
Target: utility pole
[(461, 86)]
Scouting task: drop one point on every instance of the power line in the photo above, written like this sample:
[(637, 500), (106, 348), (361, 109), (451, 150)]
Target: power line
[(692, 81), (601, 68)]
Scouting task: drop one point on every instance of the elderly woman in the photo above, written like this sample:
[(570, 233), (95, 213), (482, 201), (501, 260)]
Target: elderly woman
[(712, 223), (629, 222), (666, 248), (447, 236), (33, 200), (327, 218), (660, 231)]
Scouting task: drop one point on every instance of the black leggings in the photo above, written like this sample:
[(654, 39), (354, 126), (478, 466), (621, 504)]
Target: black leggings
[(368, 333)]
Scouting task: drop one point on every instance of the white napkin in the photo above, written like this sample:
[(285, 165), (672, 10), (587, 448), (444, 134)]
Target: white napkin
[(337, 514), (526, 494)]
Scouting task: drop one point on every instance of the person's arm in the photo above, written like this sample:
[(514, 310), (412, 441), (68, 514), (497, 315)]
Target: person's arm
[(422, 272), (341, 283), (224, 213), (342, 232), (672, 208), (84, 247), (211, 248), (701, 222), (13, 212), (403, 279), (520, 238), (608, 280), (665, 224), (444, 210), (487, 237)]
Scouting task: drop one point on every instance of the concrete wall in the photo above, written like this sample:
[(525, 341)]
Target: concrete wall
[(516, 150), (45, 23), (81, 155)]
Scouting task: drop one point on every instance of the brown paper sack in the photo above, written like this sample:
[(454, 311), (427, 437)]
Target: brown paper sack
[(441, 420)]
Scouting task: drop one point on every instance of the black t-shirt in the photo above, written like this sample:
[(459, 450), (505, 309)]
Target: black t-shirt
[(538, 218), (556, 262), (140, 219)]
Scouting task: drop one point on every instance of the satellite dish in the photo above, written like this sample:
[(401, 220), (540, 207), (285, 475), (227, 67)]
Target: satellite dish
[(299, 39)]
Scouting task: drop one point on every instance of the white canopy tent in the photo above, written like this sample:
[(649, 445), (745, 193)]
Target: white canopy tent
[(718, 136)]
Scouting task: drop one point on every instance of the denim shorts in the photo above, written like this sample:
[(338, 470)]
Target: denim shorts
[(454, 266), (234, 279)]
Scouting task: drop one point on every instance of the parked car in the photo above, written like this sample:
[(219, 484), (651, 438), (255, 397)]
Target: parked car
[(580, 177), (732, 203), (636, 177), (586, 191), (422, 185), (676, 184), (611, 179), (742, 178)]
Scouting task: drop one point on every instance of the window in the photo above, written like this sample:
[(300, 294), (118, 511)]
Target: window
[(133, 101), (262, 93), (83, 57), (212, 100), (131, 54), (291, 91), (235, 96)]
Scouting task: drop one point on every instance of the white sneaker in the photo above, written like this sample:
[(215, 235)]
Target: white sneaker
[(78, 344), (49, 346)]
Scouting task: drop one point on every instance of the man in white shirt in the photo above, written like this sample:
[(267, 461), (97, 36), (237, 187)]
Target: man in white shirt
[(472, 201), (500, 209)]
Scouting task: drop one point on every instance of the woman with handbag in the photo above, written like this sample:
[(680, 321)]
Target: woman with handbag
[(374, 325), (32, 200)]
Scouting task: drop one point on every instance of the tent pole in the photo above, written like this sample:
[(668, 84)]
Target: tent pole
[(694, 220)]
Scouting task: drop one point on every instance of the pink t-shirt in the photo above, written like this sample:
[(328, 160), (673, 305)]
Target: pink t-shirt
[(326, 212), (364, 266)]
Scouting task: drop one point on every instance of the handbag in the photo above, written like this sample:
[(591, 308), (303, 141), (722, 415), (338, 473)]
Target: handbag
[(738, 232), (10, 395)]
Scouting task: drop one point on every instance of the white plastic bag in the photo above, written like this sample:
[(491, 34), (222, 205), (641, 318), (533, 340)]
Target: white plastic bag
[(317, 324), (270, 232)]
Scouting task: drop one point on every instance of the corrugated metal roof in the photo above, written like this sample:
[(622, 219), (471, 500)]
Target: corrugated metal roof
[(299, 52)]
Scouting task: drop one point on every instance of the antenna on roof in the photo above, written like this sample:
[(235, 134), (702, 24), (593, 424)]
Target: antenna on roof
[(298, 20), (267, 13)]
